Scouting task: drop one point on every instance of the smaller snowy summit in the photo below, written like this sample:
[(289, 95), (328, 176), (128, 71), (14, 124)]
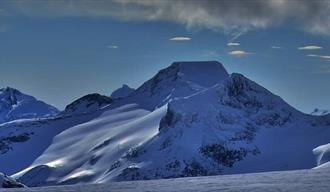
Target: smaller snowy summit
[(8, 182), (16, 105), (87, 104), (122, 92)]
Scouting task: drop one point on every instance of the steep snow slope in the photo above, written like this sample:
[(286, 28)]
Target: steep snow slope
[(191, 119), (122, 92), (22, 141), (16, 105), (284, 181), (28, 138), (89, 151)]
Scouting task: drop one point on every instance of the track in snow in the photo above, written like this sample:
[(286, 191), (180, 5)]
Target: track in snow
[(317, 180)]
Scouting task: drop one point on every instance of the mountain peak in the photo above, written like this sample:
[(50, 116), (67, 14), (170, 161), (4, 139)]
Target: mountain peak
[(180, 79), (206, 73)]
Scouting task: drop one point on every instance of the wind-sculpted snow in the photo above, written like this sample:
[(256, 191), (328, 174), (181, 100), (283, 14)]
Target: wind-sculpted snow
[(284, 181), (22, 141), (322, 154), (87, 152), (190, 119)]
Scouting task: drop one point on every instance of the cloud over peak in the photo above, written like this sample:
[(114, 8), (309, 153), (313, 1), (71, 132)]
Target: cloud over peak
[(180, 38), (233, 44), (239, 53)]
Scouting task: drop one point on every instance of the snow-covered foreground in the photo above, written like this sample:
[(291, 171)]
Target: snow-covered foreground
[(301, 180)]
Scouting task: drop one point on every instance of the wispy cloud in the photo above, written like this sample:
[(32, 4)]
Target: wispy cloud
[(235, 17), (180, 38), (310, 47), (276, 47), (326, 57), (239, 53), (233, 44), (112, 46)]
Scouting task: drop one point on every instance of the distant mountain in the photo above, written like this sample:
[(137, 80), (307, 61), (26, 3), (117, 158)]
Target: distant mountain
[(87, 104), (16, 105), (190, 119), (122, 92)]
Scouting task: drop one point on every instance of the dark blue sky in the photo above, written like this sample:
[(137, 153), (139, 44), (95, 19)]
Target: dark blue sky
[(57, 55)]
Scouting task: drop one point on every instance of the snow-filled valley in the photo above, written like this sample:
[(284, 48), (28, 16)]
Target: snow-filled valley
[(190, 119)]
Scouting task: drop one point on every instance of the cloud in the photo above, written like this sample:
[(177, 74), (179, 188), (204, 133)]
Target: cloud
[(234, 17), (326, 57), (180, 38), (276, 47), (239, 53), (233, 44), (112, 46), (310, 47)]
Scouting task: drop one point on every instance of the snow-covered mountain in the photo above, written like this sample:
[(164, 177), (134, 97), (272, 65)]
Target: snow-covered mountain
[(16, 105), (190, 119), (122, 92)]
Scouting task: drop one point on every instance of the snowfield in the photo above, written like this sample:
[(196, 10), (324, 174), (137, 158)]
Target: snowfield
[(284, 181)]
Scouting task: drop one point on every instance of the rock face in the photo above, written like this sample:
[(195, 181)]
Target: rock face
[(122, 92), (320, 112), (8, 182), (16, 105), (190, 119)]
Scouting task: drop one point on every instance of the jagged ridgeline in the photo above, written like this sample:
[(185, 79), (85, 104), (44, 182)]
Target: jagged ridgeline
[(190, 119)]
